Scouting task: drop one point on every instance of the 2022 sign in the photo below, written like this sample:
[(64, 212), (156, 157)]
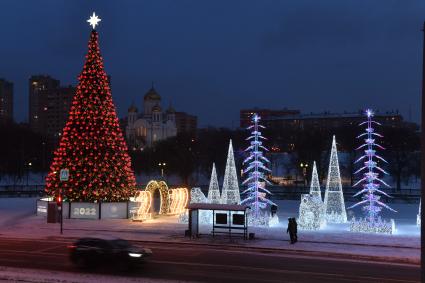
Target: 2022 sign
[(84, 211)]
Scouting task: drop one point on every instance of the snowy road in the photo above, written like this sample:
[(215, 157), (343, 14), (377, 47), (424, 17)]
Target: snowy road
[(184, 262)]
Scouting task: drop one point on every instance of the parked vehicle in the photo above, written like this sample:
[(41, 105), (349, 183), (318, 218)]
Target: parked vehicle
[(115, 252)]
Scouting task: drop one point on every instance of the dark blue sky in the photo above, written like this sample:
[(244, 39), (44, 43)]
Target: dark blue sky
[(211, 58)]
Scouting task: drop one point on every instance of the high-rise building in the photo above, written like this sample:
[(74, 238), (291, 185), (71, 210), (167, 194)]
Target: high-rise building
[(186, 123), (49, 106), (6, 101), (246, 114)]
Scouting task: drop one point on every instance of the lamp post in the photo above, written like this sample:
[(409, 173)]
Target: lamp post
[(162, 167), (304, 167), (29, 164)]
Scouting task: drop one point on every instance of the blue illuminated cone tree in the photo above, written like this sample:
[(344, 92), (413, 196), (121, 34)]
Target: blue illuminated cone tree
[(256, 180), (92, 146)]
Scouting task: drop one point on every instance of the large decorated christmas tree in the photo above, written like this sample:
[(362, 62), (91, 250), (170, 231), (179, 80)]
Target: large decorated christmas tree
[(92, 146)]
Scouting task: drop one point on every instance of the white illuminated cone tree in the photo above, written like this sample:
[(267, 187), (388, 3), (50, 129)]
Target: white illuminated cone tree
[(334, 205), (214, 190), (230, 192), (315, 184)]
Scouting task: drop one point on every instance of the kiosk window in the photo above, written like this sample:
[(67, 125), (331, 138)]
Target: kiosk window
[(221, 218), (238, 219)]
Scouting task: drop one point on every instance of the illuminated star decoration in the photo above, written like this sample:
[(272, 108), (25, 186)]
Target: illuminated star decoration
[(94, 20)]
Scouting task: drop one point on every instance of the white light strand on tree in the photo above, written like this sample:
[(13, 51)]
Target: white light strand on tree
[(255, 168), (371, 182), (230, 193), (334, 198), (214, 190)]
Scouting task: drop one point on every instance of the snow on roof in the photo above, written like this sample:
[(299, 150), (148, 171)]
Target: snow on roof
[(217, 206)]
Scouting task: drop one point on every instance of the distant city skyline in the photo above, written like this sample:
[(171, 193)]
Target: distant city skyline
[(213, 59)]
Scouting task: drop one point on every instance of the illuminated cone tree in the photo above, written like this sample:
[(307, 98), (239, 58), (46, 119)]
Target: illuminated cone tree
[(92, 146), (214, 190), (256, 191), (315, 184), (230, 192), (334, 205), (418, 217), (371, 181)]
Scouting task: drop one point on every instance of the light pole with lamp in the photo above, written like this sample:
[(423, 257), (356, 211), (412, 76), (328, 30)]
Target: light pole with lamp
[(162, 167), (304, 167)]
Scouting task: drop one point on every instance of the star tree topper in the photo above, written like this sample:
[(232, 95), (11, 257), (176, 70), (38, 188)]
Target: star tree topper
[(94, 20)]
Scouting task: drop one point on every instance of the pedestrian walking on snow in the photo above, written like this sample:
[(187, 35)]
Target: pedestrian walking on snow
[(291, 229), (295, 229)]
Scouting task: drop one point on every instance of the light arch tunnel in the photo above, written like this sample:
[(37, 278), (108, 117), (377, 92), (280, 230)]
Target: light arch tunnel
[(172, 201)]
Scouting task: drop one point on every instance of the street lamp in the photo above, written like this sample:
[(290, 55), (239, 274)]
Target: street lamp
[(162, 166), (304, 167), (29, 164)]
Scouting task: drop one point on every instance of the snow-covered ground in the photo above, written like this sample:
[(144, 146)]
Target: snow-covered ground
[(17, 219)]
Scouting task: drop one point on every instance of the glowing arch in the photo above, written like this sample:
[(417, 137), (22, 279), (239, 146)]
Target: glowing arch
[(152, 186)]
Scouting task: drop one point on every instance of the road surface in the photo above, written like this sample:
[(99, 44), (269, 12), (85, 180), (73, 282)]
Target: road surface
[(214, 264)]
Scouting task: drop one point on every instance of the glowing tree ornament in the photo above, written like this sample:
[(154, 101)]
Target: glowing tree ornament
[(334, 205), (230, 192), (255, 168), (214, 190), (371, 182), (92, 146)]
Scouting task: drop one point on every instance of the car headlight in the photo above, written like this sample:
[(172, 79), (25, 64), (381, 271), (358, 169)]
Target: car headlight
[(134, 254)]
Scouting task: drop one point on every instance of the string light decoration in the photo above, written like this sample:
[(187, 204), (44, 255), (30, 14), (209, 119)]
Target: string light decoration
[(214, 190), (255, 168), (230, 193), (178, 198), (311, 210), (371, 182), (418, 217), (92, 146), (144, 198), (310, 213), (334, 206), (315, 184), (152, 186), (197, 196)]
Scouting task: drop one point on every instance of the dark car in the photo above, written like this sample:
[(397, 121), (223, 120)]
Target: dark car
[(119, 253)]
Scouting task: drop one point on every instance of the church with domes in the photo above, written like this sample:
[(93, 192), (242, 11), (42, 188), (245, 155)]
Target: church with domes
[(152, 125)]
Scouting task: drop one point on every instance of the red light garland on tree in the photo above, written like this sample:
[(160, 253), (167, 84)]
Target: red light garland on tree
[(92, 146)]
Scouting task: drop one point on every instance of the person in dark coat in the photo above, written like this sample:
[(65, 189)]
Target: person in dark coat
[(294, 221), (291, 230)]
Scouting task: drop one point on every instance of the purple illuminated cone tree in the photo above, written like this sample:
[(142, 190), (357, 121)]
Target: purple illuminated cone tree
[(371, 181)]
